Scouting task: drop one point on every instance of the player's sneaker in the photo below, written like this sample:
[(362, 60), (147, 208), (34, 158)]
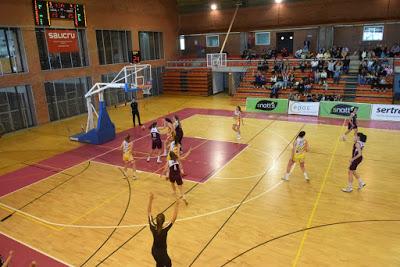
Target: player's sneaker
[(361, 185), (347, 189)]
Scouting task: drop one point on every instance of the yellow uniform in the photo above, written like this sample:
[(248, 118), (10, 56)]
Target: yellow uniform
[(127, 151), (300, 150), (236, 117), (173, 148)]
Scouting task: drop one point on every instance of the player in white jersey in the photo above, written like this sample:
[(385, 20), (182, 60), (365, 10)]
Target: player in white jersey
[(127, 156), (238, 120), (300, 147)]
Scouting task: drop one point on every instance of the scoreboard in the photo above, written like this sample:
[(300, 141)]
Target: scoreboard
[(45, 11)]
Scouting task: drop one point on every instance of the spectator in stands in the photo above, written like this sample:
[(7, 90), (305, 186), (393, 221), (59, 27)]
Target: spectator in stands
[(302, 65), (298, 53), (325, 85), (346, 64), (263, 65), (259, 80), (363, 54), (274, 79), (285, 77), (331, 68), (327, 54), (395, 50), (314, 64), (284, 52), (323, 75), (300, 87), (320, 54), (275, 90), (337, 72)]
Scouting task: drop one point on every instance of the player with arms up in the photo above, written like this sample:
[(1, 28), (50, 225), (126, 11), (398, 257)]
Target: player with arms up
[(352, 123)]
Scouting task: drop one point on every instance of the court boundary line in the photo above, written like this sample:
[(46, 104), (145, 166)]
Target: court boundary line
[(36, 249)]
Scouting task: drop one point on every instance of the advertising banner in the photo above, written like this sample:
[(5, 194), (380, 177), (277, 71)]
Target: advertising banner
[(304, 108), (270, 105), (334, 109), (62, 41), (383, 112)]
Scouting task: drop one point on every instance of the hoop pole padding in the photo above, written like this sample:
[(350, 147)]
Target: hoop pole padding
[(229, 30)]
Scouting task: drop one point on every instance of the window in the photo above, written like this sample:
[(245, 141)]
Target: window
[(157, 84), (262, 38), (212, 40), (12, 59), (16, 108), (113, 46), (66, 98), (373, 33), (56, 58), (182, 42), (151, 45), (115, 96)]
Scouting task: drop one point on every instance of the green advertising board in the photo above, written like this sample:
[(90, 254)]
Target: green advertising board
[(270, 105), (334, 109)]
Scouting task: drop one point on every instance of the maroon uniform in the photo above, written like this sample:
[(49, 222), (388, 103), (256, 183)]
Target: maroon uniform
[(174, 172), (354, 164)]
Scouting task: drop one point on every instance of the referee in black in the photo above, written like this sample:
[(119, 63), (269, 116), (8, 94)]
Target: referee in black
[(135, 112)]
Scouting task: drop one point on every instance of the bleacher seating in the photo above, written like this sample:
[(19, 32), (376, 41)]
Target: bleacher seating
[(181, 81)]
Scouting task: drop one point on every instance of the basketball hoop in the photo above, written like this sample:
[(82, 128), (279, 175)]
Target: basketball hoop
[(146, 88), (216, 60)]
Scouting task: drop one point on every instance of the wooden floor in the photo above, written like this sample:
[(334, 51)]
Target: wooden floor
[(243, 213)]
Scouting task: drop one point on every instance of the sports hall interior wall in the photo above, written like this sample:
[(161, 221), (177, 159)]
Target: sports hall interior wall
[(272, 16), (134, 16)]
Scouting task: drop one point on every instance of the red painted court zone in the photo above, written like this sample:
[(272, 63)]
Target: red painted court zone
[(23, 255), (207, 157)]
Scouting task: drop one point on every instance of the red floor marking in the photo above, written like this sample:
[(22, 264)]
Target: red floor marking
[(205, 159), (24, 255)]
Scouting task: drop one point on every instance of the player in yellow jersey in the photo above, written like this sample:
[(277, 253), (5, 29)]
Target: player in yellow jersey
[(238, 121), (300, 147), (127, 155)]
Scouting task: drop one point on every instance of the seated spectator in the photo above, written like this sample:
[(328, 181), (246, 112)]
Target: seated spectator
[(320, 54), (259, 80), (298, 53), (307, 87), (325, 85), (395, 50), (274, 78), (314, 65), (317, 76), (302, 65), (263, 66), (323, 75), (300, 87), (285, 52), (327, 55), (275, 90)]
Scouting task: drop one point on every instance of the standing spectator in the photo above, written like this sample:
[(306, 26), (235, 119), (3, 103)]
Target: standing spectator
[(346, 65), (331, 68), (395, 50), (314, 65), (302, 65), (336, 75), (323, 75), (135, 112)]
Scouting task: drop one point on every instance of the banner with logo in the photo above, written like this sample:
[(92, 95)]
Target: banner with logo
[(383, 112), (62, 41), (271, 105), (304, 108), (342, 109)]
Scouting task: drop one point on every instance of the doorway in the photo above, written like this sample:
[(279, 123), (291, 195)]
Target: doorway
[(284, 40)]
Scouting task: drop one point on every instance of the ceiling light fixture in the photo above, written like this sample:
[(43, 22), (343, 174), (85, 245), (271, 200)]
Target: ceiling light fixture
[(213, 6)]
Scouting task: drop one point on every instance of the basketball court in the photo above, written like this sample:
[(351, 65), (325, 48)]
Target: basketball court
[(72, 203)]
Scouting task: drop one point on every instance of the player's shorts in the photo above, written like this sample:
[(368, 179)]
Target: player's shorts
[(156, 144), (351, 127), (127, 157), (299, 157), (355, 163), (175, 177)]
